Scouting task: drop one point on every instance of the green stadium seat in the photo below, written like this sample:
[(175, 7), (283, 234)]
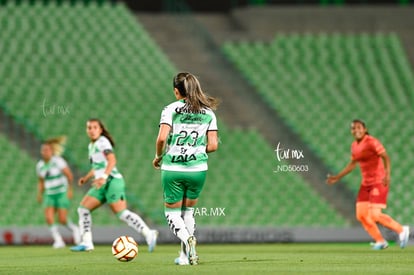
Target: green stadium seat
[(347, 76), (101, 54)]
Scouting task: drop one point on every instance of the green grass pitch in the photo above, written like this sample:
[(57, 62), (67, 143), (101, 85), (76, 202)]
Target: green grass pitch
[(214, 259)]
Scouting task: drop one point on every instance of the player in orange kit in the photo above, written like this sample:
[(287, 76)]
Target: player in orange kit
[(375, 167)]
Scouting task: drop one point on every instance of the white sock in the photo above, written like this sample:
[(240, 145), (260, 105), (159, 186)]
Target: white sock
[(75, 231), (176, 224), (188, 216), (189, 220), (55, 233), (183, 251), (70, 225), (134, 221), (85, 225)]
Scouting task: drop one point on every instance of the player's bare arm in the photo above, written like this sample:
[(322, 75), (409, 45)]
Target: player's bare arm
[(212, 141), (85, 178), (160, 144), (348, 168), (387, 166)]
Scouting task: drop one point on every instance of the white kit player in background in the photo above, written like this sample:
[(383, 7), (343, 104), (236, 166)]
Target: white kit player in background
[(108, 187), (55, 189)]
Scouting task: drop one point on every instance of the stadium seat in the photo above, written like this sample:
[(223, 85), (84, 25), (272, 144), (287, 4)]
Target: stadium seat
[(342, 77), (98, 61)]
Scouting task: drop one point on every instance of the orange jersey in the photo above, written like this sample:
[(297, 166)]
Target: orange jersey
[(367, 154)]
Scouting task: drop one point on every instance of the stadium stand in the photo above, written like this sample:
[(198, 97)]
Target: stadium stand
[(64, 63), (319, 82), (18, 189)]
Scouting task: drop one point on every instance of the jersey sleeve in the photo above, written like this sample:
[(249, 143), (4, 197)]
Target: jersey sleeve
[(213, 123), (38, 170), (378, 147), (104, 146), (353, 156), (166, 116), (61, 163)]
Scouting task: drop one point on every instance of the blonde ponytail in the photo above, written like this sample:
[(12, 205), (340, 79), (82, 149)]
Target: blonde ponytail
[(57, 144)]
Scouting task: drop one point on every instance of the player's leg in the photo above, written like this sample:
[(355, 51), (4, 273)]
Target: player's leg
[(173, 193), (136, 222), (49, 203), (65, 221), (187, 213), (194, 185), (379, 202), (177, 226), (90, 202), (385, 220), (54, 230), (363, 215), (62, 210), (189, 221), (115, 196)]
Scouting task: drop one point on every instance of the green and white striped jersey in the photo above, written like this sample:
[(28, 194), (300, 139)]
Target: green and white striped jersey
[(97, 151), (52, 174), (186, 144)]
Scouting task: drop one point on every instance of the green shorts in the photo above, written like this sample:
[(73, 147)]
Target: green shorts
[(112, 191), (58, 201), (178, 185)]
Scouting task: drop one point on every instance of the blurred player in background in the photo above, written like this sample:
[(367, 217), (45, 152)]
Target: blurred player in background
[(55, 188), (188, 131), (108, 187), (375, 167)]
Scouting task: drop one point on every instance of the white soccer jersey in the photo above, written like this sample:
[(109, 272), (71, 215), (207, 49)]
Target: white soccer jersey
[(186, 144), (97, 151), (51, 172)]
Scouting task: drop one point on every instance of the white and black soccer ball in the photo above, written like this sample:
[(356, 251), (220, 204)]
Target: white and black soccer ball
[(125, 248)]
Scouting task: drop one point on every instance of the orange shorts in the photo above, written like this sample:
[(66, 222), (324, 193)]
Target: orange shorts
[(374, 194)]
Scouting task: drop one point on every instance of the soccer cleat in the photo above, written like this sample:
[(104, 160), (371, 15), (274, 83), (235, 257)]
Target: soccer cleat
[(380, 245), (81, 248), (152, 240), (191, 250), (404, 236), (182, 260), (59, 244)]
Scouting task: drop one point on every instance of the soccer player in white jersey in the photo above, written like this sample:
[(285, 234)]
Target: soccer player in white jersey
[(188, 131), (54, 189), (108, 187)]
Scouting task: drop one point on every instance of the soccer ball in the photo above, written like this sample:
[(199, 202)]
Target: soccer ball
[(125, 248)]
